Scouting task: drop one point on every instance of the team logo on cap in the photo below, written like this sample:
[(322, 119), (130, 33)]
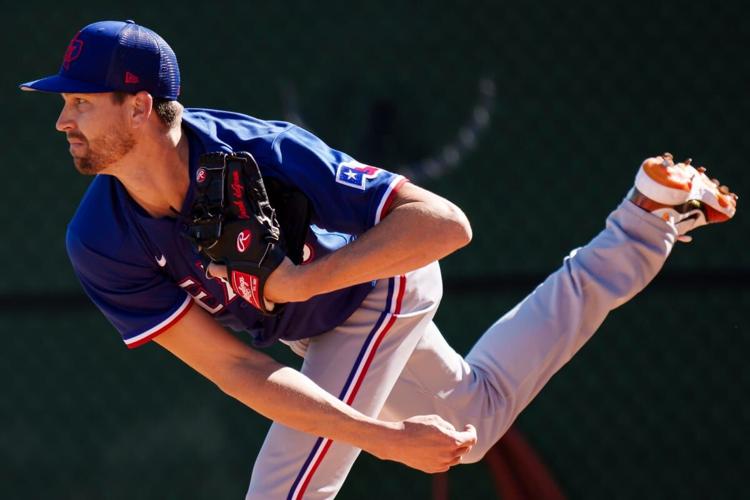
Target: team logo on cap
[(355, 174), (73, 51)]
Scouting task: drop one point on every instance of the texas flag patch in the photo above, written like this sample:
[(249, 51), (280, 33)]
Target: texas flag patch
[(355, 174)]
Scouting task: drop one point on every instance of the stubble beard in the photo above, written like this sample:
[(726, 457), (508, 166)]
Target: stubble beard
[(103, 151)]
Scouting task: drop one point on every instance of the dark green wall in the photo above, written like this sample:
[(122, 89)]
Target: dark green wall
[(654, 407)]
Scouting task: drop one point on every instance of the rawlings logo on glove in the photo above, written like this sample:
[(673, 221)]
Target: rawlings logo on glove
[(246, 286), (233, 223), (243, 240)]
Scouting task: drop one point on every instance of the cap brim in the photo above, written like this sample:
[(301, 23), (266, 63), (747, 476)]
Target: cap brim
[(60, 84)]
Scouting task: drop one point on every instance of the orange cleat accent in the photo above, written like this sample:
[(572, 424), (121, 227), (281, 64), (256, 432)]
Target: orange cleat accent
[(671, 176), (682, 194)]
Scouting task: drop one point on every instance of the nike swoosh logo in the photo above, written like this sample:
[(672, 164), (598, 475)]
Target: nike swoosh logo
[(162, 261)]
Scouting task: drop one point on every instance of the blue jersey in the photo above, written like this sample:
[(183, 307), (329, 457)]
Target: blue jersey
[(144, 275)]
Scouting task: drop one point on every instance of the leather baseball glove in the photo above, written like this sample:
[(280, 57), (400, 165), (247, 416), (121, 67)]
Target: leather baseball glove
[(232, 222)]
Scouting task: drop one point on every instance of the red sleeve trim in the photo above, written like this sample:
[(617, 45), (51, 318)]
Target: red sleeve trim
[(390, 197), (150, 335)]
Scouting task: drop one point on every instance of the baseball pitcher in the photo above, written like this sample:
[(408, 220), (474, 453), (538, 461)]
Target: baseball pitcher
[(198, 220)]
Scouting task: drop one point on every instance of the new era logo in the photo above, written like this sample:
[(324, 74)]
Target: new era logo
[(131, 78)]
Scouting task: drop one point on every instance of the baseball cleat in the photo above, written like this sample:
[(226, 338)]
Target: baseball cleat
[(681, 194)]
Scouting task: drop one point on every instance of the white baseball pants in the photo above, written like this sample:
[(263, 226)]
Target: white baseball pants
[(389, 358)]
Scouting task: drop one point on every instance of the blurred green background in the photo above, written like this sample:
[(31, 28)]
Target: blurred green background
[(533, 117)]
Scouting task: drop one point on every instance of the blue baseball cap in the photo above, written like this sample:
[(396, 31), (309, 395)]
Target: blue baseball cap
[(110, 56)]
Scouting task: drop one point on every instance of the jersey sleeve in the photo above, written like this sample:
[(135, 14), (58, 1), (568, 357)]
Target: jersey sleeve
[(347, 196), (138, 301)]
